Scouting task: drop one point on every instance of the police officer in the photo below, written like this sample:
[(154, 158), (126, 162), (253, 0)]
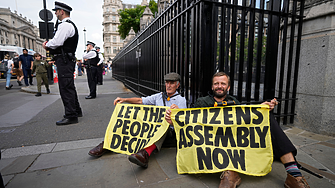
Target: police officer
[(100, 66), (63, 46), (92, 57)]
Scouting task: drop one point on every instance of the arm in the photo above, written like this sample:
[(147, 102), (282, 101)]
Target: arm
[(134, 100), (33, 68), (32, 63), (271, 104), (89, 55), (168, 114), (101, 59)]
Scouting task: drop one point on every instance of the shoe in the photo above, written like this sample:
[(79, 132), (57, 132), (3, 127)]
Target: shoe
[(67, 121), (10, 87), (229, 179), (141, 158), (19, 82), (99, 83), (89, 97), (295, 182), (98, 151), (38, 94), (48, 91), (7, 88), (31, 84)]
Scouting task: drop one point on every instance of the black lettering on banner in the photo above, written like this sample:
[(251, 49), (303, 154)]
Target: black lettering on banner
[(227, 117), (145, 128), (125, 126), (154, 114), (187, 117), (245, 115), (224, 136), (120, 112), (181, 124), (216, 161), (204, 116), (161, 115), (260, 118), (237, 158), (135, 128), (117, 125), (262, 135), (195, 115), (142, 144), (182, 139), (208, 135), (126, 114), (124, 143), (130, 149), (116, 141), (242, 134), (252, 140), (150, 135), (216, 112), (188, 129), (150, 131), (137, 145), (137, 108), (146, 110), (204, 158), (198, 128)]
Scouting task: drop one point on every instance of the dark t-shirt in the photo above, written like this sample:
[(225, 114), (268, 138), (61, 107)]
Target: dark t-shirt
[(209, 101), (26, 61)]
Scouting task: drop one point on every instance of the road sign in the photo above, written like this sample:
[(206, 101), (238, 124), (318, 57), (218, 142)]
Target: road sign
[(42, 14)]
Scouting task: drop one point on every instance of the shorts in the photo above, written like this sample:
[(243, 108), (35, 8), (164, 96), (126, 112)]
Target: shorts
[(18, 72)]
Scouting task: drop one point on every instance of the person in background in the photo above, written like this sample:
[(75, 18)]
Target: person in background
[(100, 66), (26, 62), (41, 66), (9, 71), (17, 69)]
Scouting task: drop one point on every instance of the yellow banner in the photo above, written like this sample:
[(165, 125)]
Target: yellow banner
[(134, 127), (211, 140)]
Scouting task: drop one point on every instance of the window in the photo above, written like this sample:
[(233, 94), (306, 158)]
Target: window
[(114, 28), (108, 39), (114, 38), (107, 9), (114, 50), (121, 40), (113, 18), (113, 9)]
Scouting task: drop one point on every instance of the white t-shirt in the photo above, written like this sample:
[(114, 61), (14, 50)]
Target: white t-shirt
[(9, 63)]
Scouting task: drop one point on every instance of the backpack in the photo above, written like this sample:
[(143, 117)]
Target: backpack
[(16, 62), (4, 65)]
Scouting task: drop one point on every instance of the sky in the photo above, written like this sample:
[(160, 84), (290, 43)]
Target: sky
[(85, 14)]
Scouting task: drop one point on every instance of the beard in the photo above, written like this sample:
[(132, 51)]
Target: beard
[(220, 95)]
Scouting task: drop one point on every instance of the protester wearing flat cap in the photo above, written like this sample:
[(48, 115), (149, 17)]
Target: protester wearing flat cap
[(91, 57), (100, 66), (170, 98), (63, 47)]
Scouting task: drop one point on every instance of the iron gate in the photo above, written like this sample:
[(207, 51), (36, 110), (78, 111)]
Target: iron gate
[(256, 42)]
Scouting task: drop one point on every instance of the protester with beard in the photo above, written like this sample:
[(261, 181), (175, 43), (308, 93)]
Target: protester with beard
[(283, 149), (26, 62)]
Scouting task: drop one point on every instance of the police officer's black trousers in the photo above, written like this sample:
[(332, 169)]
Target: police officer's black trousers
[(281, 144), (92, 80), (99, 74), (67, 89)]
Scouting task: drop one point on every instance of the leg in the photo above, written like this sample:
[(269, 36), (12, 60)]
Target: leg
[(30, 77), (39, 82), (8, 77), (25, 74)]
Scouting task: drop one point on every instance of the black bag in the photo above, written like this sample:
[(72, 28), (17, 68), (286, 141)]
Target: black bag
[(4, 65)]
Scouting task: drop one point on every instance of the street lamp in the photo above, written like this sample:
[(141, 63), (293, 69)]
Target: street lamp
[(84, 38)]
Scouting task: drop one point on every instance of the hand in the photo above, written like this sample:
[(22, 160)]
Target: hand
[(272, 103), (118, 100), (168, 116), (51, 62), (44, 44)]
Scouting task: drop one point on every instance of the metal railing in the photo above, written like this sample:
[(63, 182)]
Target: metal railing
[(256, 42)]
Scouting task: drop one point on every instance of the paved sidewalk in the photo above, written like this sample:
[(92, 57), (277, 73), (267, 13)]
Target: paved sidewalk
[(67, 164)]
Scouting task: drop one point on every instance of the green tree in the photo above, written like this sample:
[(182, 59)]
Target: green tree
[(131, 18)]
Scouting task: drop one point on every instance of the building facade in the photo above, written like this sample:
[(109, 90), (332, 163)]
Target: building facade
[(111, 20), (16, 30)]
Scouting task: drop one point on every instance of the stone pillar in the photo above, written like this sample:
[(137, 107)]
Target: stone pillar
[(316, 82)]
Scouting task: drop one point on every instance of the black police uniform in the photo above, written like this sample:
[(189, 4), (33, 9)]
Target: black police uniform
[(92, 72), (99, 73)]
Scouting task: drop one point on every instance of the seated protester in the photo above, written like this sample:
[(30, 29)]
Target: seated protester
[(283, 149), (169, 98)]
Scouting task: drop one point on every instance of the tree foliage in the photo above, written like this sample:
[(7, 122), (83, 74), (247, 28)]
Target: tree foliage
[(131, 18)]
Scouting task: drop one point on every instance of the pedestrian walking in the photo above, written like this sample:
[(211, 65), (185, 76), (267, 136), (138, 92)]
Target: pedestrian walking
[(63, 47), (41, 66), (26, 62), (92, 59), (17, 69), (8, 63)]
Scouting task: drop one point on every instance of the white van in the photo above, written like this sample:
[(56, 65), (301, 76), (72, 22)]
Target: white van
[(10, 50)]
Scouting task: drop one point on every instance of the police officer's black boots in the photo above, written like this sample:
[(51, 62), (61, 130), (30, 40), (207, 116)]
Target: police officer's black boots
[(38, 94)]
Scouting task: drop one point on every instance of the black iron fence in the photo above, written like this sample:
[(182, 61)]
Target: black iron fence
[(256, 42)]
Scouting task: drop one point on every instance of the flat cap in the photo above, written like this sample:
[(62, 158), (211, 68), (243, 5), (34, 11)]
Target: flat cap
[(172, 76), (91, 43), (63, 6)]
